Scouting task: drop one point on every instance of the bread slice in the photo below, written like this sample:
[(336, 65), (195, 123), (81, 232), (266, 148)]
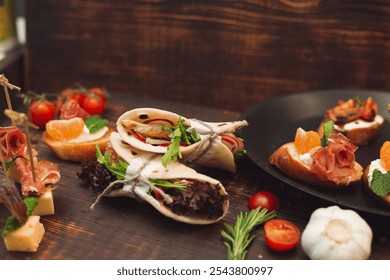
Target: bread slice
[(76, 151), (358, 136), (286, 158), (382, 199)]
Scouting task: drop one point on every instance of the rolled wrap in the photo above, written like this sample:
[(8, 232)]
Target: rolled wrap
[(148, 167), (210, 151)]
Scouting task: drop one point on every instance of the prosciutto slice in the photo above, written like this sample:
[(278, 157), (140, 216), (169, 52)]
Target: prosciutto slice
[(12, 142), (71, 109), (336, 160)]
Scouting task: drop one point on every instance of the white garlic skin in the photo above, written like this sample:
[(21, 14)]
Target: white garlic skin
[(336, 234)]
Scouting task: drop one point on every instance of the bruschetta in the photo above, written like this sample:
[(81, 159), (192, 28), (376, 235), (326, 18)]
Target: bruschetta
[(328, 162), (376, 176), (356, 118), (75, 135)]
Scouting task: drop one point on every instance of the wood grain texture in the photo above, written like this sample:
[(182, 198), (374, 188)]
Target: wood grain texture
[(223, 54), (123, 228)]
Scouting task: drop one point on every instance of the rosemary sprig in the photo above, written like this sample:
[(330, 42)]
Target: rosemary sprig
[(239, 238)]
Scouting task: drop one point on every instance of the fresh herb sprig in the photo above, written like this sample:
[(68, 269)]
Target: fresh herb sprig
[(380, 183), (119, 168), (179, 134), (239, 238), (328, 127), (95, 123), (12, 223)]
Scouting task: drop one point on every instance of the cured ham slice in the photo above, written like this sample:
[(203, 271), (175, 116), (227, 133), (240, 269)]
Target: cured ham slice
[(12, 141), (336, 160), (71, 109)]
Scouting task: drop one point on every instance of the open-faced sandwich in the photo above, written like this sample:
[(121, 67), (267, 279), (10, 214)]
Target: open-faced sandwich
[(328, 161), (175, 190), (211, 144), (23, 230), (377, 176), (75, 135), (356, 118)]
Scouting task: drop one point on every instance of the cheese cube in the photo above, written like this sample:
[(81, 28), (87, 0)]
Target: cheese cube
[(26, 238), (45, 204)]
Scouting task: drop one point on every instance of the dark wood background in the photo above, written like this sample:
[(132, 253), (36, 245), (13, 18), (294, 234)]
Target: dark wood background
[(224, 54)]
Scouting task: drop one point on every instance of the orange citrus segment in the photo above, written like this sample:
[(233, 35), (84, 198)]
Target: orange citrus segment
[(65, 129), (306, 140), (384, 154)]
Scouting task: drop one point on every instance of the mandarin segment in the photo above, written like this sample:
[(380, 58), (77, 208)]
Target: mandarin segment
[(65, 129), (306, 140), (384, 155)]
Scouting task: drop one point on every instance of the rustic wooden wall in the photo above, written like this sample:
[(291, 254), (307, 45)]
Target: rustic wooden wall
[(225, 54)]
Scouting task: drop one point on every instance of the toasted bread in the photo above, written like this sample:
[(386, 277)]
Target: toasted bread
[(382, 199), (286, 158), (359, 136), (76, 151)]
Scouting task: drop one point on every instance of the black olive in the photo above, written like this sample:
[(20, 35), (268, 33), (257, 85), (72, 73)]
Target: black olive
[(143, 117)]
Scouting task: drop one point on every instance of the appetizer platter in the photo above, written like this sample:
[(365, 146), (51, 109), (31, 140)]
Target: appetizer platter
[(139, 198), (274, 122)]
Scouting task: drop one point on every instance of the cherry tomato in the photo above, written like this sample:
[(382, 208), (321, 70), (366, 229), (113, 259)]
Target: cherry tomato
[(74, 94), (264, 199), (94, 104), (41, 112), (281, 235), (99, 91)]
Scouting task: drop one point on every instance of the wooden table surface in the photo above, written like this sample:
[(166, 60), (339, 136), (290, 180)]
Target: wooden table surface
[(123, 228)]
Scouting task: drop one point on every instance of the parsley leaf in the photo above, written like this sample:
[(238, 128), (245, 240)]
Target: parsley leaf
[(12, 223), (380, 183), (328, 127), (95, 123)]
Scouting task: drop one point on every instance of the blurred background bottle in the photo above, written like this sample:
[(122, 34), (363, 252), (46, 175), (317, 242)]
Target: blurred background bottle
[(8, 33)]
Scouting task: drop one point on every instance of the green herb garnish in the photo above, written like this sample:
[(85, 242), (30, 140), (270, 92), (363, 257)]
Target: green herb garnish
[(179, 134), (380, 183), (12, 223), (119, 168), (95, 123), (167, 184), (239, 238), (328, 127)]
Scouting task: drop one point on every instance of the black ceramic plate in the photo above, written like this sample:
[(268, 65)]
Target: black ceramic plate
[(273, 122)]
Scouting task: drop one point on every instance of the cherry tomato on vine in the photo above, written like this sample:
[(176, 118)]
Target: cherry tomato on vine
[(281, 235), (264, 199), (74, 94), (41, 112), (99, 91), (94, 104)]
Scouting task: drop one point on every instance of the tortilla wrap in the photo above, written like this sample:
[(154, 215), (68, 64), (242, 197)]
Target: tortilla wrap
[(148, 167), (210, 151)]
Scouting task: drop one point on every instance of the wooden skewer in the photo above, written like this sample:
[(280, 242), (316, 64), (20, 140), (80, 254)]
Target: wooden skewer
[(4, 82)]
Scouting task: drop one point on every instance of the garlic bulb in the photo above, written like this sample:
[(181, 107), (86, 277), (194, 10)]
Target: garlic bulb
[(336, 234)]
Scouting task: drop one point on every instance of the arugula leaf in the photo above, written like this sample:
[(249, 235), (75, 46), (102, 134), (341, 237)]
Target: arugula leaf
[(167, 184), (118, 168), (95, 123), (179, 134), (380, 183), (328, 127), (12, 223), (239, 238)]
